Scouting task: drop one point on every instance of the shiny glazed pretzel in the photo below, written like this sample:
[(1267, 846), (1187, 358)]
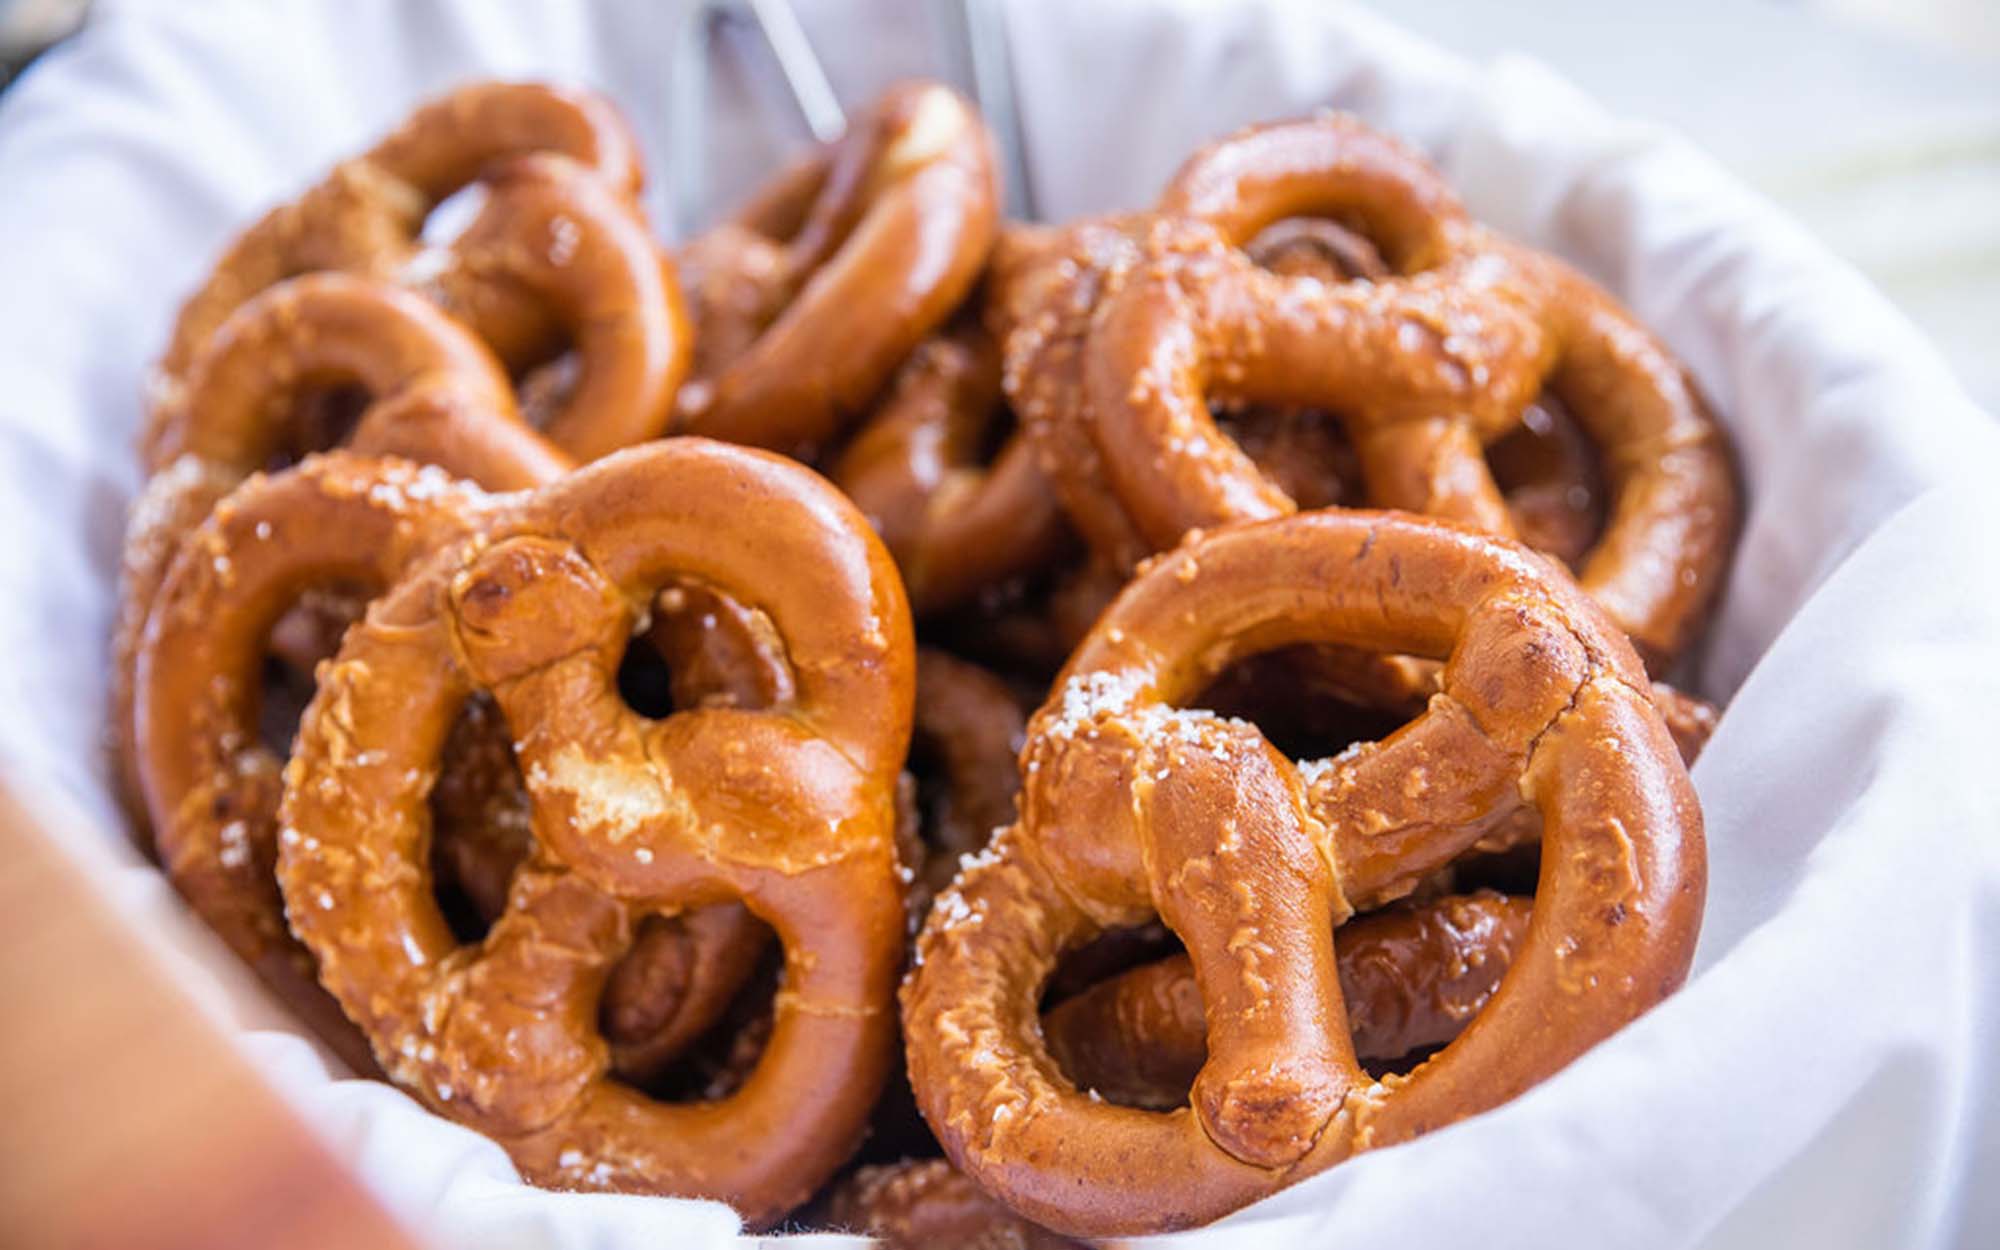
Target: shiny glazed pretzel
[(1132, 808), (787, 809), (506, 276), (1424, 368), (820, 288), (211, 785), (433, 393)]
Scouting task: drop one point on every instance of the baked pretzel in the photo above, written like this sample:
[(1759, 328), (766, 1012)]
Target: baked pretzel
[(920, 1203), (553, 241), (902, 213), (786, 809), (433, 393), (1411, 976), (366, 217), (1424, 368), (1131, 808), (210, 785)]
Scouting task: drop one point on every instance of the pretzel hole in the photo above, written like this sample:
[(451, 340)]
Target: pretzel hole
[(721, 1056), (1333, 248), (1552, 475), (544, 387), (645, 682), (321, 418), (480, 824), (1291, 697), (1304, 451), (308, 632)]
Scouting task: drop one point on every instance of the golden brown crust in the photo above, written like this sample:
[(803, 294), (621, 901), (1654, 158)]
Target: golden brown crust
[(900, 225), (786, 809), (433, 394), (209, 783), (1131, 809), (1423, 367), (365, 217), (559, 256)]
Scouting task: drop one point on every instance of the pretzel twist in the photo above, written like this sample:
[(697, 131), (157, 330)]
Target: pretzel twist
[(786, 809), (367, 215), (902, 213), (435, 393), (1424, 368), (190, 721), (1132, 809)]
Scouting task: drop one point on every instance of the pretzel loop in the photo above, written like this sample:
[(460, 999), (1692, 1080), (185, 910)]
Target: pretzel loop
[(1132, 808), (210, 785), (900, 223), (785, 809)]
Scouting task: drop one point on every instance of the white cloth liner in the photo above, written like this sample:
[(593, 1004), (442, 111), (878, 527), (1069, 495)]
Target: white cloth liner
[(1827, 1076)]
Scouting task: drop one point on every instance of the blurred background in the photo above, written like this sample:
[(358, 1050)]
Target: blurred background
[(1876, 123)]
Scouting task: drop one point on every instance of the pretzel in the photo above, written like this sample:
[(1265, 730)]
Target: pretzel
[(1131, 809), (1424, 368), (367, 215), (956, 522), (682, 972), (211, 785), (901, 219), (554, 240), (920, 1203), (1410, 976), (785, 809), (434, 393)]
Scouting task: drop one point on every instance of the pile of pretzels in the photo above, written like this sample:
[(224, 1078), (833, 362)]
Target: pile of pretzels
[(904, 721)]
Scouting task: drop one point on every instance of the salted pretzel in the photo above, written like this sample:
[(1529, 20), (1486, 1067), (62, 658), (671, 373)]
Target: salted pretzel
[(1131, 808), (433, 392), (1424, 368), (210, 785), (871, 247), (367, 216), (1411, 976), (786, 809)]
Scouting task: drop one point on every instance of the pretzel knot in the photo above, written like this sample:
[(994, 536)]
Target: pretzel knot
[(557, 254), (895, 218), (1132, 808), (433, 393), (787, 809), (1424, 367)]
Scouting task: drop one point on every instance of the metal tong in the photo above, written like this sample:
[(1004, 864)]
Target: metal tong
[(976, 50)]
